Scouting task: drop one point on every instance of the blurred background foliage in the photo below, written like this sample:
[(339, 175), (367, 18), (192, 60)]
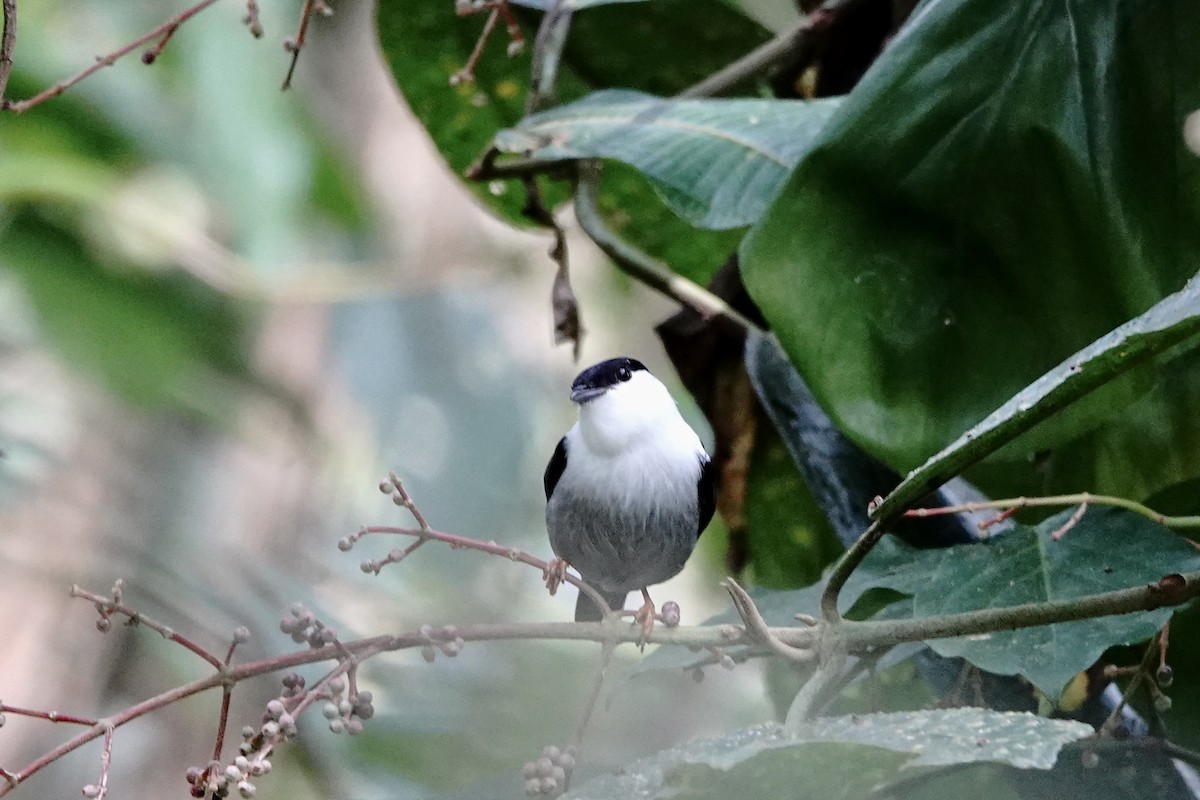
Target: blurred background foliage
[(225, 312)]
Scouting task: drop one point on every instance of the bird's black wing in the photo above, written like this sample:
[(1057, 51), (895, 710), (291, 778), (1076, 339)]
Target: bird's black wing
[(706, 490), (554, 470)]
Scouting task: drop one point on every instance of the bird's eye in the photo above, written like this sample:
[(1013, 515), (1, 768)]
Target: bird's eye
[(623, 374)]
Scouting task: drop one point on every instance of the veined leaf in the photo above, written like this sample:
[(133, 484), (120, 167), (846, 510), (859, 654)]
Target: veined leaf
[(716, 163), (1167, 323), (837, 757), (1105, 550), (1007, 183)]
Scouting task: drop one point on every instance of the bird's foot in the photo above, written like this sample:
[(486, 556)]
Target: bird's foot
[(554, 574), (645, 616)]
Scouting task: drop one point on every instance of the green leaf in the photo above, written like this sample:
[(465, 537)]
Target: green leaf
[(1167, 323), (428, 43), (1107, 549), (716, 163), (1007, 183), (837, 757)]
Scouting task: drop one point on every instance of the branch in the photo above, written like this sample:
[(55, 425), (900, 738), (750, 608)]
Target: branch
[(110, 605), (1170, 590), (294, 45), (163, 31)]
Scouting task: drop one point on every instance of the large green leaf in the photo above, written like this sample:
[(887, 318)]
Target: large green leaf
[(1007, 183), (1168, 323), (1107, 549), (716, 163), (837, 757)]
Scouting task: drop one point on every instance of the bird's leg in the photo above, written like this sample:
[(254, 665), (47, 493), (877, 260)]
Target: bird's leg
[(645, 615), (554, 574)]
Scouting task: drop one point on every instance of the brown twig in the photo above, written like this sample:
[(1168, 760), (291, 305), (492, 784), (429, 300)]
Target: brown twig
[(466, 74), (112, 605), (1070, 523), (1081, 498), (49, 716), (294, 46), (8, 43), (162, 31)]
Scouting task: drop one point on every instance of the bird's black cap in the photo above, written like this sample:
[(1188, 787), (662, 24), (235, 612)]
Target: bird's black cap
[(599, 378)]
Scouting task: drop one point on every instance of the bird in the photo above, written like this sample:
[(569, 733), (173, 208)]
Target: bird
[(629, 488)]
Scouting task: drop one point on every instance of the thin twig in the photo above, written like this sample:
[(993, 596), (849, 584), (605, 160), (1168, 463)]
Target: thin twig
[(464, 543), (405, 499), (8, 44), (113, 606), (1061, 531), (638, 264), (1081, 498), (105, 763), (467, 73), (49, 716), (789, 45), (295, 45), (106, 60)]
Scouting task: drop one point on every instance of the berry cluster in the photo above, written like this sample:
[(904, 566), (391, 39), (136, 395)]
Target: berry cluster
[(446, 639), (304, 626), (549, 775), (347, 714), (218, 782)]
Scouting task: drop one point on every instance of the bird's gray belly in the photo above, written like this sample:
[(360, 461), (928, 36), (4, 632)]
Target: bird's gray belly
[(624, 549)]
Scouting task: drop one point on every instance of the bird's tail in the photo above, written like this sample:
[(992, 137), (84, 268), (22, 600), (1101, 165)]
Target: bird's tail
[(588, 611)]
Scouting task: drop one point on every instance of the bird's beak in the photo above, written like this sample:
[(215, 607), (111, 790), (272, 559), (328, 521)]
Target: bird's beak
[(585, 393)]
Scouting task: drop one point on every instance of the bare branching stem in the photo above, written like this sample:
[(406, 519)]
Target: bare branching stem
[(163, 31), (111, 606)]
